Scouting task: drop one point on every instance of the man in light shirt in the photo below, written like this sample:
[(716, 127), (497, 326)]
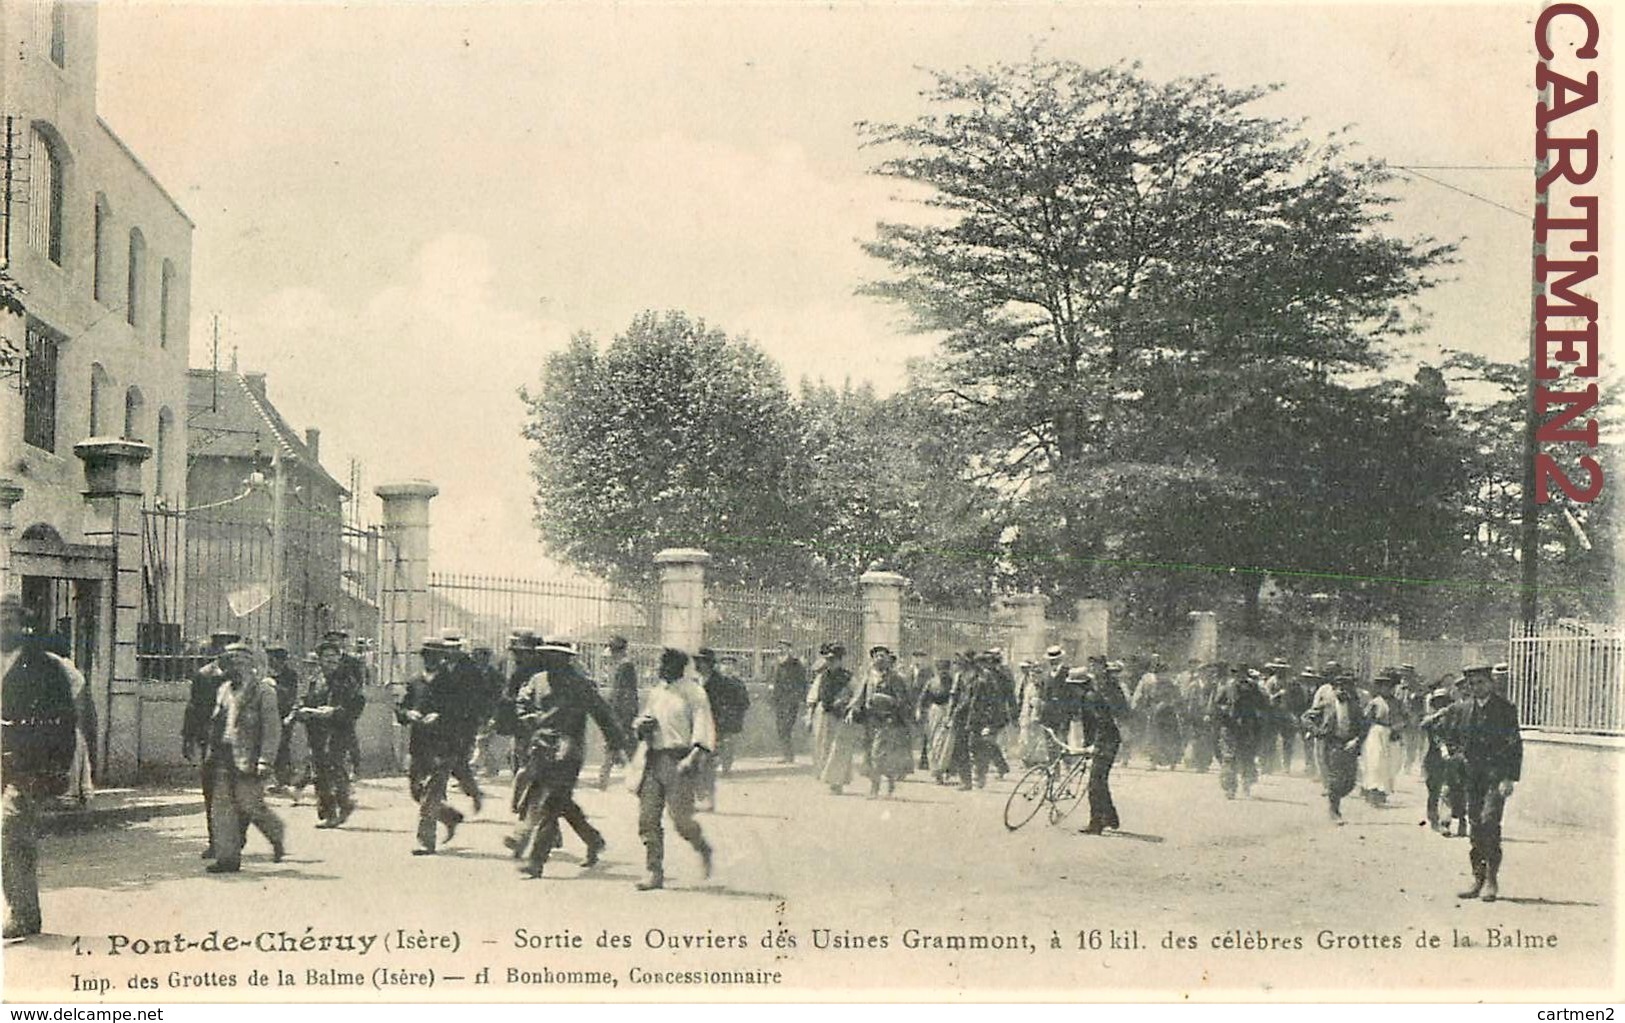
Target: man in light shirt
[(678, 733)]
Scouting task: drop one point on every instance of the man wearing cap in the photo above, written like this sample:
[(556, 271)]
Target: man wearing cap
[(987, 707), (326, 713), (1101, 703), (728, 701), (554, 705), (789, 688), (677, 732), (879, 706), (1240, 711), (244, 733), (436, 705), (45, 710), (1335, 720), (347, 674), (1485, 728), (623, 700), (1442, 767), (286, 678), (200, 703), (342, 677)]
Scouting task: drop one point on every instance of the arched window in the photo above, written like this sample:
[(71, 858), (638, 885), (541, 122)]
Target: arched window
[(101, 390), (59, 33), (45, 195), (134, 406), (137, 269), (166, 295), (101, 268), (166, 433)]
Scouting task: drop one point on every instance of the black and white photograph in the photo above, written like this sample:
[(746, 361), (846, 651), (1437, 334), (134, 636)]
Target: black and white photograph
[(513, 502)]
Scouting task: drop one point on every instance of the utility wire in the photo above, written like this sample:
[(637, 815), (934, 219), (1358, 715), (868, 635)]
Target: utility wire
[(1471, 195)]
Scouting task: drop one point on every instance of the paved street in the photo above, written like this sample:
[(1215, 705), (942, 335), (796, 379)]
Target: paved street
[(1270, 871)]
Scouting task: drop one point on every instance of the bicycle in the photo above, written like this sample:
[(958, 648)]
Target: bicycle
[(1060, 784)]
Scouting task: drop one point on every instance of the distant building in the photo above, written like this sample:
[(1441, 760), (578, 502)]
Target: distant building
[(103, 256), (265, 543)]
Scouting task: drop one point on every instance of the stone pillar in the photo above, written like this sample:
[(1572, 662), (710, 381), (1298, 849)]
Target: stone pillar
[(1204, 636), (1032, 628), (682, 597), (1094, 629), (882, 615), (113, 520), (10, 494), (405, 558)]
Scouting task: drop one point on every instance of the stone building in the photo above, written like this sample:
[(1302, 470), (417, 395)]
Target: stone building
[(92, 353), (265, 527)]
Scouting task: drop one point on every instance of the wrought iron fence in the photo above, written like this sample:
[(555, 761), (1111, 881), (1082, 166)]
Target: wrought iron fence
[(1569, 677), (941, 632), (203, 573), (485, 608), (749, 623)]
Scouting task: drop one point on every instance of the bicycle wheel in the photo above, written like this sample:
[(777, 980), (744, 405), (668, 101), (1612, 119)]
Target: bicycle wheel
[(1026, 798), (1069, 792)]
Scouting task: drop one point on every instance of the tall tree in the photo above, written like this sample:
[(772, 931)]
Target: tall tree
[(1145, 290), (673, 435)]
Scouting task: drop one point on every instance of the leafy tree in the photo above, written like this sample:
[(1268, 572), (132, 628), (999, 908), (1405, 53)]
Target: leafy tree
[(1151, 299), (673, 435)]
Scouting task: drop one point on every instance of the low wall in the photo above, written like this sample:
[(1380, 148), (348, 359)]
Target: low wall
[(1569, 780)]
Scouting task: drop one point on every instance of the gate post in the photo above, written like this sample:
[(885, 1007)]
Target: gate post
[(1204, 636), (882, 615), (406, 573), (682, 597), (113, 519), (1031, 628), (10, 494), (1094, 629)]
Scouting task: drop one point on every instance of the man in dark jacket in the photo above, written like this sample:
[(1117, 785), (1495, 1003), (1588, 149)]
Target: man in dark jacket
[(554, 706), (438, 705), (790, 681), (1099, 705), (195, 721), (1241, 711), (623, 700), (45, 703), (729, 701), (282, 673), (1484, 728)]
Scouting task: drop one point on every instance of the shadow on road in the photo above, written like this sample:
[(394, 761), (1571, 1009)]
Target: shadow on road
[(1546, 902)]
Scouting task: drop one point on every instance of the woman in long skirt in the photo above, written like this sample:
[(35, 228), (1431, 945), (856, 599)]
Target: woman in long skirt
[(1380, 754)]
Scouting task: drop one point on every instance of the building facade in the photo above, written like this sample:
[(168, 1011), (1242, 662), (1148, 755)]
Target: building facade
[(93, 348)]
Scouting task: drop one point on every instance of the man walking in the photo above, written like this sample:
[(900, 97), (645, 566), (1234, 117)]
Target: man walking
[(880, 707), (282, 673), (554, 706), (437, 708), (789, 693), (623, 700), (729, 702), (1100, 704), (328, 716), (1485, 728), (195, 722), (45, 706), (244, 732), (1240, 711), (678, 733), (1338, 726)]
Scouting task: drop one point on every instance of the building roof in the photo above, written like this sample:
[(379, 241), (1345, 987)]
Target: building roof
[(237, 420), (142, 168)]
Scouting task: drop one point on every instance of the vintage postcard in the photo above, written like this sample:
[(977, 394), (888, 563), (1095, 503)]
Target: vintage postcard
[(515, 502)]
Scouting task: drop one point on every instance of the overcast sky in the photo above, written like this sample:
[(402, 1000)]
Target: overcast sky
[(401, 210)]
